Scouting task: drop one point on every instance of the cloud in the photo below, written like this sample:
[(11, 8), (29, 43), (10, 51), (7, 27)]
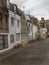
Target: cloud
[(35, 7)]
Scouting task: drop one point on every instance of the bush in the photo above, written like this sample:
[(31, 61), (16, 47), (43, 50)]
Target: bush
[(39, 38), (18, 45)]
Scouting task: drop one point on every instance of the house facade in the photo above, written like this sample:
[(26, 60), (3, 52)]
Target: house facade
[(14, 26), (35, 27), (30, 26), (4, 30)]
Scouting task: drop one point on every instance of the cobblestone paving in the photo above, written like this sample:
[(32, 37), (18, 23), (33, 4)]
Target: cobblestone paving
[(35, 54)]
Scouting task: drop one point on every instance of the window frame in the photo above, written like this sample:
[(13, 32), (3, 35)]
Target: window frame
[(17, 23), (12, 21), (1, 21), (12, 38)]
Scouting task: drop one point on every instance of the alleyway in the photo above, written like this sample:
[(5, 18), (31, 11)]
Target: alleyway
[(35, 54)]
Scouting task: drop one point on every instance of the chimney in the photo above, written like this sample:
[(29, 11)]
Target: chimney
[(8, 5)]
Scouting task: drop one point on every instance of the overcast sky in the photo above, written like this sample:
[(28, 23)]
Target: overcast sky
[(37, 8)]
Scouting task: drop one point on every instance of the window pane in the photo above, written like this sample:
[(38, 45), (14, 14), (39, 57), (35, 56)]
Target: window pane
[(12, 38), (1, 41), (6, 39), (12, 21), (17, 23), (6, 45), (17, 37), (1, 46)]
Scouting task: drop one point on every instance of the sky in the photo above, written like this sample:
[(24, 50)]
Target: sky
[(37, 8)]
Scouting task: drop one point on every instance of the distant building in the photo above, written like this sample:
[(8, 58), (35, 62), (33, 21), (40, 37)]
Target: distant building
[(43, 29), (47, 26), (35, 27), (30, 27)]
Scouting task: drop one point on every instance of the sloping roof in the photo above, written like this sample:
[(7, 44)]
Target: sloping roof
[(11, 7)]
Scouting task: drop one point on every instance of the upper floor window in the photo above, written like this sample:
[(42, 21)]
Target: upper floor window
[(17, 23), (6, 19), (0, 20), (12, 38), (12, 21)]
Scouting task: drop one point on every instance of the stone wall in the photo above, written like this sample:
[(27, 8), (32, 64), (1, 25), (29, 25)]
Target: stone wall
[(24, 32), (24, 39)]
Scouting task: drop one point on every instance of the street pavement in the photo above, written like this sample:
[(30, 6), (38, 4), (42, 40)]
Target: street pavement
[(35, 54)]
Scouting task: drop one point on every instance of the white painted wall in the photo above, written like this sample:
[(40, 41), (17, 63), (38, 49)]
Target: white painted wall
[(27, 17), (43, 32), (35, 30), (14, 29), (30, 34), (17, 29), (11, 29)]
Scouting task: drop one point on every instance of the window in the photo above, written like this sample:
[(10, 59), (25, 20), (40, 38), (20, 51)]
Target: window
[(12, 38), (12, 21), (17, 23), (0, 20), (17, 37), (3, 41), (6, 19)]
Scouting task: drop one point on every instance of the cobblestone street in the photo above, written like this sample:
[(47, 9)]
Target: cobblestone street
[(35, 54)]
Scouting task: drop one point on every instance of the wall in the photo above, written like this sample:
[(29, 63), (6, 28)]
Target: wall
[(30, 32), (24, 32), (18, 29), (11, 30), (43, 32), (35, 30)]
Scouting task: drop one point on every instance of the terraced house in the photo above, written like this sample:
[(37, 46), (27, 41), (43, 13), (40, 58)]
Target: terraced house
[(23, 28), (3, 25)]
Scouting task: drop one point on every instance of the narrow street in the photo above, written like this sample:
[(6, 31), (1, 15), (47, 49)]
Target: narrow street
[(35, 54)]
